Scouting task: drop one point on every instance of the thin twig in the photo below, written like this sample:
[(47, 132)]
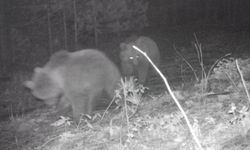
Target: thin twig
[(231, 80), (216, 62), (47, 142), (108, 107), (198, 49), (190, 66), (124, 89), (242, 80), (173, 96)]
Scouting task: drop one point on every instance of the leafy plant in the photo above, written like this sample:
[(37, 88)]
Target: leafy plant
[(225, 69), (129, 95)]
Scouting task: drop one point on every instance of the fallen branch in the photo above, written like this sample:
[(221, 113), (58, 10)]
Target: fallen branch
[(173, 96)]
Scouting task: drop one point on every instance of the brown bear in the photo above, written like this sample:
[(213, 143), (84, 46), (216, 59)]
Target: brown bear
[(133, 63), (79, 78)]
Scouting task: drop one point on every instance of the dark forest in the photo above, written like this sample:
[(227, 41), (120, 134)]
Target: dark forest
[(60, 59)]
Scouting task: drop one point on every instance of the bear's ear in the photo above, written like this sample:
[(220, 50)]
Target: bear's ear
[(29, 84), (123, 46), (38, 70)]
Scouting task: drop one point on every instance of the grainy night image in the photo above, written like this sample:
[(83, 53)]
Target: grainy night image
[(124, 74)]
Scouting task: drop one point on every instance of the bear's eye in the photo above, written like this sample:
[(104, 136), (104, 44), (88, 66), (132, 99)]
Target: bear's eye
[(131, 57), (137, 56)]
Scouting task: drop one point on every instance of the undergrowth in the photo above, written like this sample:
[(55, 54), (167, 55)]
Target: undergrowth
[(143, 121)]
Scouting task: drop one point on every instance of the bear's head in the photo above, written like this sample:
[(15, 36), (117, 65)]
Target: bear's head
[(128, 54), (45, 85)]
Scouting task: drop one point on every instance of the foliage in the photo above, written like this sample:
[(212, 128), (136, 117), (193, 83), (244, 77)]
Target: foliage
[(129, 95), (226, 69), (106, 15), (112, 15), (238, 114), (75, 21)]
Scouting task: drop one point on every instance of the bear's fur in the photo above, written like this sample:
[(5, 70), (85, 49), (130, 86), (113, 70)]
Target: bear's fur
[(133, 63), (79, 78)]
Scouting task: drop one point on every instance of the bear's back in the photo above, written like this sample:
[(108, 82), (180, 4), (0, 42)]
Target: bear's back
[(84, 58), (90, 62), (58, 59), (150, 47), (89, 58)]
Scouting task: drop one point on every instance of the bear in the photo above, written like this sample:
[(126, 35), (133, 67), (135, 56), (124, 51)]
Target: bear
[(133, 63), (75, 79)]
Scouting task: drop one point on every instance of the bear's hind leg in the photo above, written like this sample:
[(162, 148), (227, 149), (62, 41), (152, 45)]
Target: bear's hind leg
[(84, 103), (79, 102), (93, 98)]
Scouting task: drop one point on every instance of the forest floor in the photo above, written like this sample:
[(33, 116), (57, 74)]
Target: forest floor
[(216, 105)]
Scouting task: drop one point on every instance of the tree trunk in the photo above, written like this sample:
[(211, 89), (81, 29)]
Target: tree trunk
[(2, 44), (95, 23), (65, 30), (75, 21), (5, 51), (49, 28)]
